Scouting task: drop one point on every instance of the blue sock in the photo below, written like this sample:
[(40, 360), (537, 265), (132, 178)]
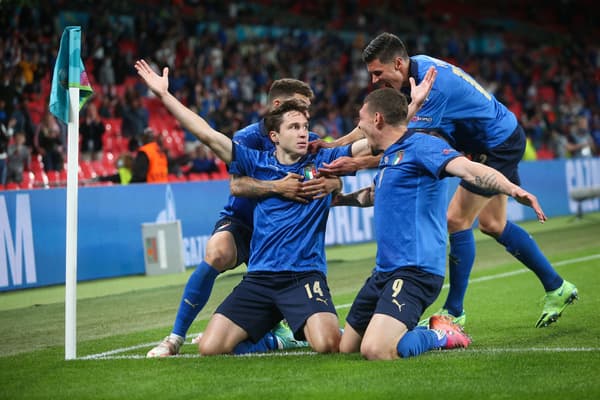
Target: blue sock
[(267, 343), (461, 259), (419, 341), (195, 295), (521, 245)]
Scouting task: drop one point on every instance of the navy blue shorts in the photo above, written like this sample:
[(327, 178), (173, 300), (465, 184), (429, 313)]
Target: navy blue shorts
[(504, 158), (262, 299), (403, 294), (242, 234)]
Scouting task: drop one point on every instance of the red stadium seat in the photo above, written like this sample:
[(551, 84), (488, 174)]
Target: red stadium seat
[(175, 178), (198, 176), (86, 171), (40, 180), (28, 180), (54, 178)]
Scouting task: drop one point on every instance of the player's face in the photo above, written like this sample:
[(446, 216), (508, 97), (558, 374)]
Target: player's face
[(293, 133), (366, 124), (386, 74)]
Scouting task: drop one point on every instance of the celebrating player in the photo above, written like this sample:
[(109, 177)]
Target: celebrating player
[(228, 247), (475, 123), (409, 198), (286, 269)]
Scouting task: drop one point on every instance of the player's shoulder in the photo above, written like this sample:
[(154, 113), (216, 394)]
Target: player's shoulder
[(250, 130)]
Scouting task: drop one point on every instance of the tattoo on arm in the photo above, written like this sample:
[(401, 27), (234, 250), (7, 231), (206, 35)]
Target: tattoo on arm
[(488, 181)]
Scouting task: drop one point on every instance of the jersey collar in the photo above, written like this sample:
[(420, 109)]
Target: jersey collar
[(413, 71)]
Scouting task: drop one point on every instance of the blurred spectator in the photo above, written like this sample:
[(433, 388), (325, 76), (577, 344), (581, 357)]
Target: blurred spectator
[(582, 143), (320, 130), (19, 158), (23, 122), (151, 164), (49, 142), (559, 144), (202, 159), (90, 132), (124, 166), (134, 117), (333, 124), (4, 139), (107, 105), (530, 153), (6, 132), (107, 74)]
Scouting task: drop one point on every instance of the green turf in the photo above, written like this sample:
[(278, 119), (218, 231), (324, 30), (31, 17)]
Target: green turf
[(509, 358)]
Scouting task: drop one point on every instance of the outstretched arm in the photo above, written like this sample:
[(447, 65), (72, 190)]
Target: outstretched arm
[(488, 178), (159, 85)]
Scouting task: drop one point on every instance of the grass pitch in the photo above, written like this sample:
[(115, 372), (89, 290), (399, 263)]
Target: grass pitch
[(119, 320)]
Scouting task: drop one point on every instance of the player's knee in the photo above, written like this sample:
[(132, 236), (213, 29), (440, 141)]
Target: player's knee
[(326, 344), (372, 350), (208, 346), (348, 347), (456, 222), (220, 258), (492, 228)]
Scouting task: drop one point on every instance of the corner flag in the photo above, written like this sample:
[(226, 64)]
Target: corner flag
[(69, 72), (70, 90)]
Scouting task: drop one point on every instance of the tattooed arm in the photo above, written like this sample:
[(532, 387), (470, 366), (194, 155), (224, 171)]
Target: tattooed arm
[(361, 198), (488, 178)]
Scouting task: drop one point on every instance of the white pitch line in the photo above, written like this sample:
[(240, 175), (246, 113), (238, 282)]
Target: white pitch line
[(491, 350), (107, 354)]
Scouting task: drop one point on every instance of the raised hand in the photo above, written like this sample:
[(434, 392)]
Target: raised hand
[(418, 93), (158, 84)]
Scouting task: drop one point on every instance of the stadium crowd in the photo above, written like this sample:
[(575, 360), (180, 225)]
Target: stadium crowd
[(544, 65)]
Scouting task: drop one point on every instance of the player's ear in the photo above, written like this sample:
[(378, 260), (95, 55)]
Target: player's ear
[(398, 62), (378, 120), (274, 136)]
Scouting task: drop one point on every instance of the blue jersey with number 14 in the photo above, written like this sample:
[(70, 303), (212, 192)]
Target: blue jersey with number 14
[(288, 235), (460, 109), (254, 137)]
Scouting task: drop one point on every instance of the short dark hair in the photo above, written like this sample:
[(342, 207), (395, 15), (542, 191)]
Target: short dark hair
[(274, 118), (391, 103), (385, 47), (288, 87)]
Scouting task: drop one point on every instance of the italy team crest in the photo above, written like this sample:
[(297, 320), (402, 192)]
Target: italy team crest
[(310, 171), (396, 158)]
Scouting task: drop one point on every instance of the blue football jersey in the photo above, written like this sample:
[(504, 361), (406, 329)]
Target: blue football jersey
[(254, 137), (410, 204), (459, 108), (288, 236)]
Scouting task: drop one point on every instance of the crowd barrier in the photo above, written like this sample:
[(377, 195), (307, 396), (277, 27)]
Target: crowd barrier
[(109, 244)]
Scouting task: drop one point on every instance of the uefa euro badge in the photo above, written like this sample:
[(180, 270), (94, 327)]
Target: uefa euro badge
[(310, 171)]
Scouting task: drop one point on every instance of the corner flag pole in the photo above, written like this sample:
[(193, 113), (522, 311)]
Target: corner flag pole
[(72, 208), (68, 83)]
